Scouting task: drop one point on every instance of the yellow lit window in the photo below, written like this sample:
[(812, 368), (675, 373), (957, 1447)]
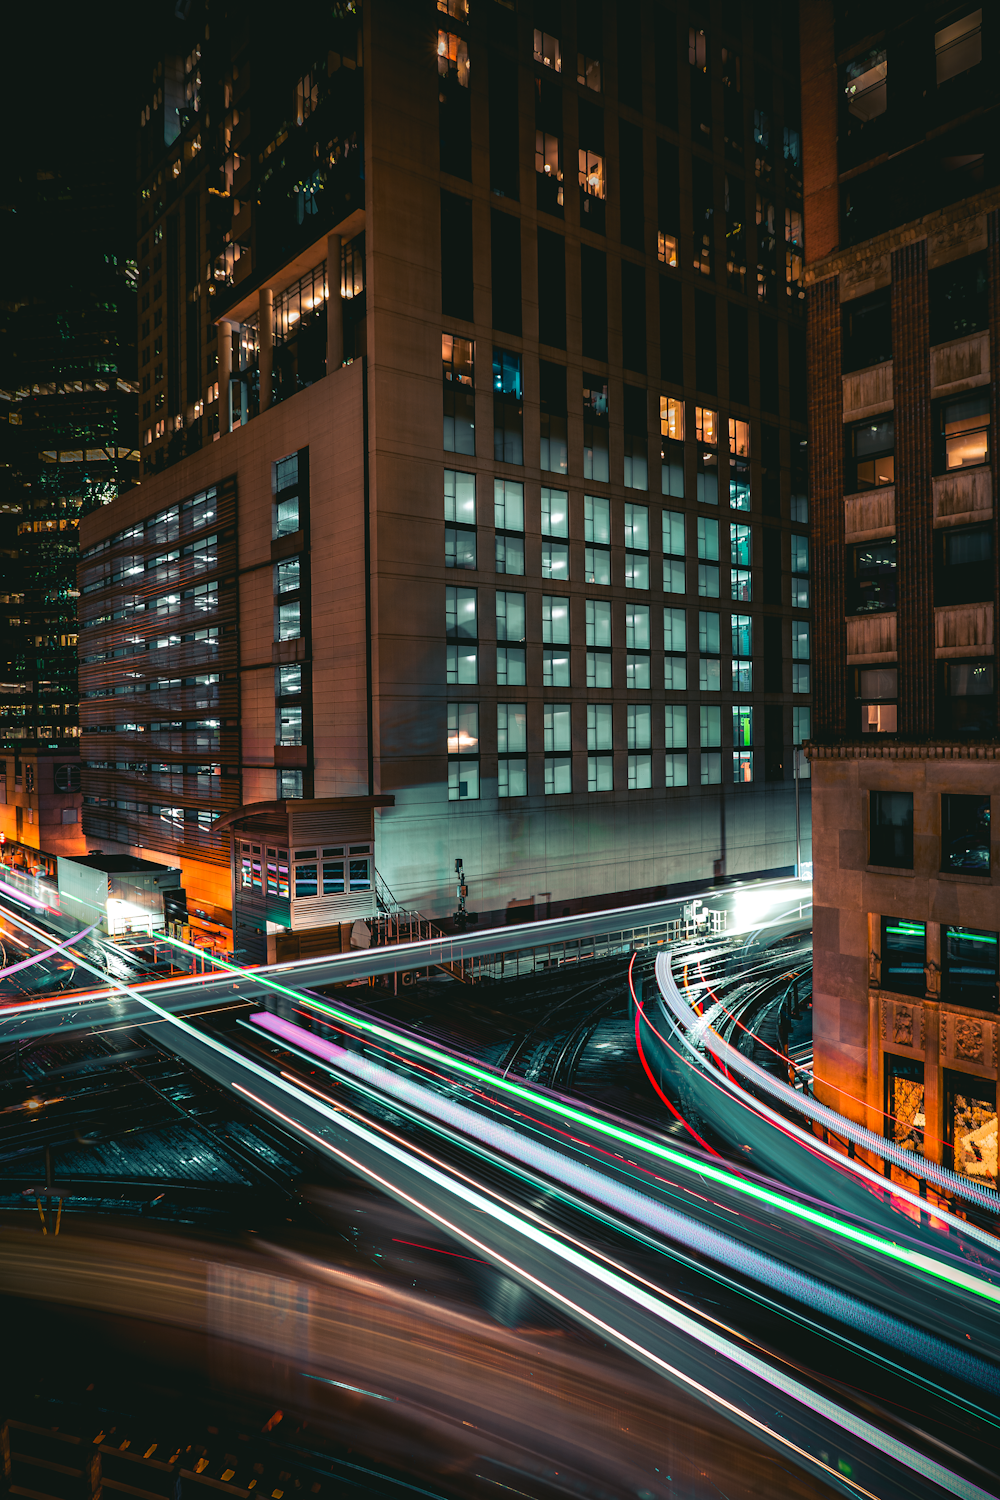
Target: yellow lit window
[(672, 418), (706, 424)]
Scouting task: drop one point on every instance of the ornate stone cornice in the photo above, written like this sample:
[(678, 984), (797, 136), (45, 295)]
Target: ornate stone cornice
[(951, 220), (884, 749)]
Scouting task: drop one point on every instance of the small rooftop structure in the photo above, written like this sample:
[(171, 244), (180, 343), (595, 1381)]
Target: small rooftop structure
[(118, 893)]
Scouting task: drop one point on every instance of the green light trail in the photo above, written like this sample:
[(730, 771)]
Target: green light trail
[(816, 1217)]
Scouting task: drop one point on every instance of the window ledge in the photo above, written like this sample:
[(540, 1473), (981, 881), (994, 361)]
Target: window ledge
[(961, 878), (907, 874)]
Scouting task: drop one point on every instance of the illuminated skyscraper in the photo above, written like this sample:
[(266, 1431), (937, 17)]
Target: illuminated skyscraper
[(472, 416)]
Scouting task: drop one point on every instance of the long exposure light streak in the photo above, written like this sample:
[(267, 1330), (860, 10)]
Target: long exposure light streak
[(677, 1159), (35, 958), (637, 1206), (898, 1451), (840, 1124), (880, 1441), (542, 1101)]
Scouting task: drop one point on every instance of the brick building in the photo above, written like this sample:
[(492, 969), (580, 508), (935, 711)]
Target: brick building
[(902, 193), (472, 413)]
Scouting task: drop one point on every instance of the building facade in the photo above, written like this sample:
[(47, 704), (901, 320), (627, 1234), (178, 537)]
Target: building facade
[(902, 189), (67, 432), (472, 418)]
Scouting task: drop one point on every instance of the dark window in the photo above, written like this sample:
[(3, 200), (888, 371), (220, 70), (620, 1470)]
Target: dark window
[(634, 317), (904, 1102), (704, 342), (959, 303), (456, 256), (552, 396), (504, 171), (962, 431), (797, 374), (665, 53), (739, 356), (869, 461), (969, 704), (773, 671), (671, 341), (964, 565), (630, 175), (667, 188), (969, 967), (769, 364), (594, 297), (871, 577), (772, 565), (551, 289), (965, 834), (770, 455), (732, 100), (454, 133), (970, 1125), (629, 58), (904, 954), (505, 245), (890, 832), (634, 410), (774, 739), (866, 331)]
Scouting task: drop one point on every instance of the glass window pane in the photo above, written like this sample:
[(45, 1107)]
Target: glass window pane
[(637, 527), (673, 532), (676, 726), (511, 671), (508, 504), (596, 519), (555, 512), (460, 497), (965, 834), (970, 967), (510, 616), (597, 565), (512, 778), (598, 612), (512, 728)]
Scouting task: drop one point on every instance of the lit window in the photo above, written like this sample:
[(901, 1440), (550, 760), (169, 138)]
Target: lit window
[(865, 84), (959, 47), (739, 437), (512, 728), (453, 57), (588, 72), (592, 179), (548, 159), (672, 418), (706, 424), (666, 248), (463, 746), (547, 51)]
